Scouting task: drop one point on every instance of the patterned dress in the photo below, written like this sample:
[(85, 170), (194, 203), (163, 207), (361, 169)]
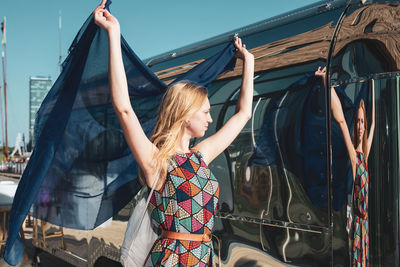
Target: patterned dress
[(360, 240), (187, 203)]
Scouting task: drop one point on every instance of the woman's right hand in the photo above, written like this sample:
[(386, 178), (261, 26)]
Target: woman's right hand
[(241, 51), (320, 72), (104, 19)]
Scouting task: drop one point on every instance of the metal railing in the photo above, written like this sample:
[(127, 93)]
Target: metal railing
[(13, 167)]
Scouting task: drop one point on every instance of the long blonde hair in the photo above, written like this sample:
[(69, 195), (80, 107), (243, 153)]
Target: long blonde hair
[(364, 138), (179, 103)]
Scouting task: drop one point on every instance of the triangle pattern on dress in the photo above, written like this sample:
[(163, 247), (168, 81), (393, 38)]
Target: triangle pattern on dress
[(199, 216), (207, 215), (161, 207), (185, 187), (158, 198), (208, 188), (183, 213), (181, 196), (205, 259), (175, 259), (214, 186), (186, 244), (172, 245), (155, 256), (168, 221), (192, 260), (206, 197), (194, 245), (209, 225), (158, 247), (197, 252), (204, 252), (169, 211), (180, 160), (202, 180), (186, 205), (187, 166), (171, 188), (151, 206), (177, 172), (195, 158), (182, 248), (186, 223), (197, 204), (195, 166), (177, 180), (194, 189), (183, 259), (188, 174), (194, 180), (196, 225)]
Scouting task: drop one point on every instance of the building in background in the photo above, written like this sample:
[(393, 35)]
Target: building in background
[(38, 88)]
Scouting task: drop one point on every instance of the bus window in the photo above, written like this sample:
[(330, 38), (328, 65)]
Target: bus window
[(382, 168), (225, 90), (285, 186), (297, 193)]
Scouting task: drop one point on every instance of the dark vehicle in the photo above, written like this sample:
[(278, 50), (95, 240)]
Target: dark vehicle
[(290, 210)]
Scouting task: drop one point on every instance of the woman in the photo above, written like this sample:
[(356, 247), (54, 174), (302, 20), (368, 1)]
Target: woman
[(186, 196), (358, 150)]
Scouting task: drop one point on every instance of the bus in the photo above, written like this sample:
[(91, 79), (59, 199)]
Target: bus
[(283, 193)]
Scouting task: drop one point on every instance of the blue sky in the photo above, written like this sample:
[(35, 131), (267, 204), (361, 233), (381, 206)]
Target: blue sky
[(150, 27)]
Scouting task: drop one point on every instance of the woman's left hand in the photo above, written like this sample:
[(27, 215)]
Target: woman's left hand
[(241, 51)]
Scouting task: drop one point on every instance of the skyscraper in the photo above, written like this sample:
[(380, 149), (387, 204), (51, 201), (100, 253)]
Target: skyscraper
[(38, 89)]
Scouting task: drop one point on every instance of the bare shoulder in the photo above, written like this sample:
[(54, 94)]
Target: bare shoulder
[(200, 150)]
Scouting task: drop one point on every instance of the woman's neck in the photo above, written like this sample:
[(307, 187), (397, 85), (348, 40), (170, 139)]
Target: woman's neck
[(182, 145), (359, 148)]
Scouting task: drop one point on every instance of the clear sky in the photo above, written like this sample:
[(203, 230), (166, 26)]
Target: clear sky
[(150, 27)]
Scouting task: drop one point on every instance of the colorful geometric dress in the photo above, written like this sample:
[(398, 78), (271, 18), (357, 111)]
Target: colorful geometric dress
[(360, 241), (187, 203)]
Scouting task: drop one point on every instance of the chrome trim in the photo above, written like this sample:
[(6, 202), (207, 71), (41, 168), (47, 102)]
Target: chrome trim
[(252, 123), (376, 76), (280, 224)]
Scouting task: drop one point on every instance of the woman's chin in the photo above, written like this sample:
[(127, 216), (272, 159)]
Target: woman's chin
[(200, 135)]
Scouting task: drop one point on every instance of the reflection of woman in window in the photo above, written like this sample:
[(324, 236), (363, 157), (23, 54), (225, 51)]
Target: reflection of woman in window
[(358, 150)]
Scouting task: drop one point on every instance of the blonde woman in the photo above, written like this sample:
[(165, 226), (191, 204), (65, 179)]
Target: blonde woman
[(358, 150), (185, 200)]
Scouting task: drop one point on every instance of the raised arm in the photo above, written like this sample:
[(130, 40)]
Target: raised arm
[(212, 146), (372, 128), (338, 115), (141, 147)]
